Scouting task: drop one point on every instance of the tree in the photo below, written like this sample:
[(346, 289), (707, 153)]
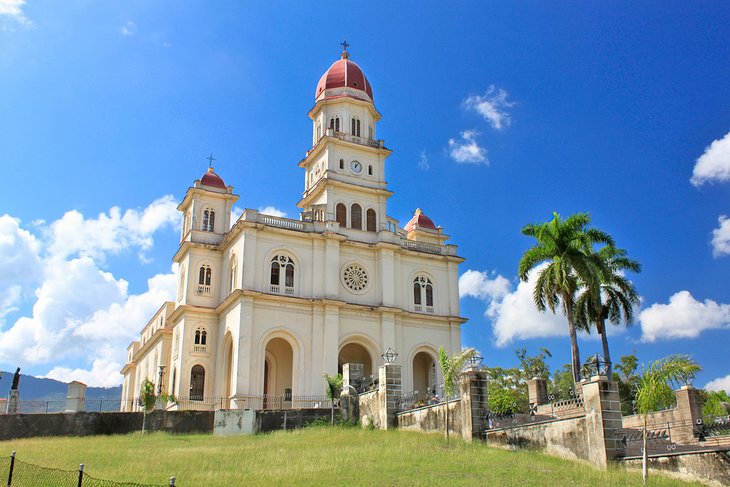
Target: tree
[(654, 390), (715, 404), (610, 297), (334, 387), (627, 382), (534, 365), (148, 399), (567, 248), (451, 368)]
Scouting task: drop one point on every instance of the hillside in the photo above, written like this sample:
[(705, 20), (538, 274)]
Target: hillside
[(38, 388)]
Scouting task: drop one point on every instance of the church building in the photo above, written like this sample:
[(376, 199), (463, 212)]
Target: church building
[(265, 305)]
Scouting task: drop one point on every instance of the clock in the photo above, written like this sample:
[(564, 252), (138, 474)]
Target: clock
[(356, 167)]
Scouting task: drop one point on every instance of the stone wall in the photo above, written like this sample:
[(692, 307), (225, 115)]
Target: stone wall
[(681, 421), (287, 419), (431, 419), (370, 409), (85, 424), (565, 438), (706, 467)]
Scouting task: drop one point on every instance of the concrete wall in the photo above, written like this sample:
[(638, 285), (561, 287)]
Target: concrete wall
[(710, 467), (566, 438), (85, 424), (267, 421), (370, 409), (432, 419)]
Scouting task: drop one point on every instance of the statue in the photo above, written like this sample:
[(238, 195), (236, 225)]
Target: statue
[(16, 379)]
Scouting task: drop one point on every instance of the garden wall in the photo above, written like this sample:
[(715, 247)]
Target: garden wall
[(430, 419), (86, 424), (565, 438), (709, 467)]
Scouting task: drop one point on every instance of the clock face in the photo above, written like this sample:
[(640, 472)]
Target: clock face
[(356, 167)]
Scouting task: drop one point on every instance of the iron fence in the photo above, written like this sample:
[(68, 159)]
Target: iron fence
[(24, 474)]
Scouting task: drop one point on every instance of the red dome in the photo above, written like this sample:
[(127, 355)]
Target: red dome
[(344, 73), (212, 179), (420, 220)]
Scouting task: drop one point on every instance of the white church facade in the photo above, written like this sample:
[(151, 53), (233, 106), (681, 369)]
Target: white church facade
[(265, 305)]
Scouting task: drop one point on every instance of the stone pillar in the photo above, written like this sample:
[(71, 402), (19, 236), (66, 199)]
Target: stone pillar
[(351, 374), (12, 406), (76, 397), (603, 419), (537, 391), (389, 392), (689, 406), (474, 405)]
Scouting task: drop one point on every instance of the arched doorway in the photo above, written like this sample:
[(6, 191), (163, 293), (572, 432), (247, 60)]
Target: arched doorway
[(197, 383), (228, 370), (354, 353), (278, 371), (424, 374)]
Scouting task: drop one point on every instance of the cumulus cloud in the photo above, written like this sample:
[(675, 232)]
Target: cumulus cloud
[(719, 384), (423, 164), (80, 314), (111, 233), (128, 29), (721, 237), (13, 10), (466, 150), (682, 317), (270, 210), (714, 163), (492, 105), (477, 284)]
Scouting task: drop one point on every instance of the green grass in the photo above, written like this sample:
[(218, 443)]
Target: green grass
[(312, 456)]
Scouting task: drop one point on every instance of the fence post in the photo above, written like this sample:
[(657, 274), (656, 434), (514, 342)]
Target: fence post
[(81, 474), (172, 481), (12, 465)]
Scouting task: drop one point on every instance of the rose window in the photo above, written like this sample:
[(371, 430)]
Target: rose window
[(355, 278)]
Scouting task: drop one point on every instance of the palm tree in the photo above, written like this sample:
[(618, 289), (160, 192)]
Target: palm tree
[(613, 299), (451, 368), (567, 246), (334, 386), (654, 390)]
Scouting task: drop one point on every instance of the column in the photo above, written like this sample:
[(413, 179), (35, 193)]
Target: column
[(603, 419), (389, 392), (474, 404)]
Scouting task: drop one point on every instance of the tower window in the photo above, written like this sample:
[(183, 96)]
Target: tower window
[(423, 294), (335, 123), (282, 266), (341, 214), (356, 126), (200, 341), (371, 225), (208, 220), (204, 279), (356, 216)]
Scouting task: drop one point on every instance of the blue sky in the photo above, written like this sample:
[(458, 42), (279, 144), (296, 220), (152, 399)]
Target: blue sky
[(498, 113)]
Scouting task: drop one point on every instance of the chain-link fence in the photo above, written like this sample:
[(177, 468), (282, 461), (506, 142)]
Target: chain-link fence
[(23, 474)]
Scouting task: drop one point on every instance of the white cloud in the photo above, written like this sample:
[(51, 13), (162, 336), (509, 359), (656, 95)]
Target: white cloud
[(714, 163), (270, 210), (423, 164), (682, 317), (478, 285), (128, 29), (13, 10), (467, 150), (81, 315), (492, 106), (719, 384), (111, 233), (236, 213), (721, 237)]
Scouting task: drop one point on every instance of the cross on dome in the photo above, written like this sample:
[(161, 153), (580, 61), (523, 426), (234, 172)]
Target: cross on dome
[(345, 54)]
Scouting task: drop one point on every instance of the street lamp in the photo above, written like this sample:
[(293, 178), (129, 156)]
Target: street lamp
[(475, 361), (389, 356)]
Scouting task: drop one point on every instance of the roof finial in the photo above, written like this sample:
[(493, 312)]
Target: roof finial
[(345, 54), (210, 161)]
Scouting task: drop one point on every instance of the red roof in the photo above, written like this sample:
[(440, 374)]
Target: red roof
[(344, 73), (212, 179), (421, 220)]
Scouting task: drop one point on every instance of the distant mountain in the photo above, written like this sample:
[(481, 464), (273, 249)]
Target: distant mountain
[(37, 388)]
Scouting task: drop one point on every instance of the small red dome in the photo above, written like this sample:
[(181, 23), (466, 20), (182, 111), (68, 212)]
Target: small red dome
[(420, 220), (344, 73), (212, 179)]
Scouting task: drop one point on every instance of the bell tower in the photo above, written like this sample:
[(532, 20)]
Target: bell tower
[(344, 177)]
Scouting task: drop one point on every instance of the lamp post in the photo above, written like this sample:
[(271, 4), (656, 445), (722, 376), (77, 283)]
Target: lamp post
[(389, 356), (159, 382), (475, 361)]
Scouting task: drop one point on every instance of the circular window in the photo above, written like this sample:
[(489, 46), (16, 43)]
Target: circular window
[(355, 278)]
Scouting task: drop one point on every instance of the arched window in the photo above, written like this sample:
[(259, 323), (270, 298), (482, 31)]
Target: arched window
[(197, 383), (234, 272), (335, 123), (423, 294), (341, 214), (204, 279), (356, 216), (356, 126), (282, 266), (371, 225), (208, 220), (201, 340)]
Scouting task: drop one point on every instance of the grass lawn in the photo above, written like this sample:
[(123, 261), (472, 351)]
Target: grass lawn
[(311, 456)]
